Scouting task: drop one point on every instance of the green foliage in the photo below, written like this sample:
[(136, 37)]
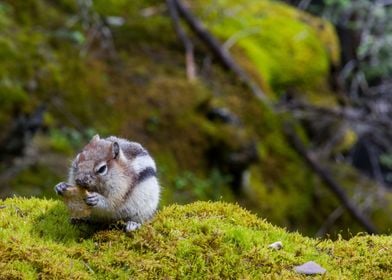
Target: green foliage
[(386, 160), (190, 187), (371, 24), (59, 142), (67, 140), (213, 240)]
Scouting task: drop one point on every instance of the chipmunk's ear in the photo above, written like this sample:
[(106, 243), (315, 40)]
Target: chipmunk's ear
[(115, 150), (95, 138)]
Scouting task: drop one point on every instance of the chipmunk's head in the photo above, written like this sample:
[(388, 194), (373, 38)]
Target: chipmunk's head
[(96, 164)]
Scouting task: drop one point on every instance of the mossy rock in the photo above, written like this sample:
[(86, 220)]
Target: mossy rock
[(214, 240), (288, 48)]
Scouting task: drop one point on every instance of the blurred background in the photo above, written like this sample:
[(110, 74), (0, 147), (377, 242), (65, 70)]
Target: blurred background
[(289, 115)]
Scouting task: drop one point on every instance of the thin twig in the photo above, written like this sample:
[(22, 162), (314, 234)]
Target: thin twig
[(239, 35), (304, 4), (330, 221), (374, 162), (189, 53)]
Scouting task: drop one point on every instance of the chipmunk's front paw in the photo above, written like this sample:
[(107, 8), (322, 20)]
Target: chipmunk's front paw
[(62, 187), (132, 226), (92, 199)]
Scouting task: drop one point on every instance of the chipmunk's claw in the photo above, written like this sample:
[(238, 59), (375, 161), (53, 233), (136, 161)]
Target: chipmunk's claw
[(62, 187), (92, 199), (132, 226)]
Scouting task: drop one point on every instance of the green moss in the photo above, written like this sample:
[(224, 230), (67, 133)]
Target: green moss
[(289, 48), (60, 143), (195, 241)]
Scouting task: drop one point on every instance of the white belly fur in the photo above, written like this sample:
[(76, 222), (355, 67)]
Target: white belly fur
[(139, 207)]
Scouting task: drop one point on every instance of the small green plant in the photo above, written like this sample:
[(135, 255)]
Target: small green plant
[(193, 187)]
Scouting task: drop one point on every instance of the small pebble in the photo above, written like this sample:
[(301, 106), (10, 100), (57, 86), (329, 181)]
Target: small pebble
[(310, 268), (276, 245)]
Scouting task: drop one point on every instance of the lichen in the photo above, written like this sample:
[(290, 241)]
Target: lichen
[(195, 241)]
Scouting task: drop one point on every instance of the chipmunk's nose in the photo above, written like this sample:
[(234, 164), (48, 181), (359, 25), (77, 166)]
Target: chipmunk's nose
[(80, 182), (83, 181)]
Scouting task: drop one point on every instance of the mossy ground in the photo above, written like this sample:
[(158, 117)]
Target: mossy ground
[(200, 240)]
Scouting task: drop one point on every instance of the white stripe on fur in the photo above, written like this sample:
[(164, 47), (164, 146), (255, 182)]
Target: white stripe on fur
[(144, 200), (142, 162)]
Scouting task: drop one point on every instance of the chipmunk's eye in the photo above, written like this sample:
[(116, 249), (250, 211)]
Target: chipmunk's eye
[(102, 169)]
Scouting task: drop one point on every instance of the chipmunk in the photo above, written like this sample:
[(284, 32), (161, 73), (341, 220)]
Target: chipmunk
[(119, 182)]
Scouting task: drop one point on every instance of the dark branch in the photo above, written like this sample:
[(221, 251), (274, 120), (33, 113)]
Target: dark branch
[(349, 114), (214, 45), (325, 176), (364, 122)]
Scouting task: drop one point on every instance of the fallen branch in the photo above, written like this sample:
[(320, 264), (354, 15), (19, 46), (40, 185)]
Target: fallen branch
[(189, 54), (349, 114), (325, 176), (220, 53), (365, 123)]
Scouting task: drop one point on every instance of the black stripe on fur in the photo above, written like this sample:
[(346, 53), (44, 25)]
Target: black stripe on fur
[(146, 174)]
